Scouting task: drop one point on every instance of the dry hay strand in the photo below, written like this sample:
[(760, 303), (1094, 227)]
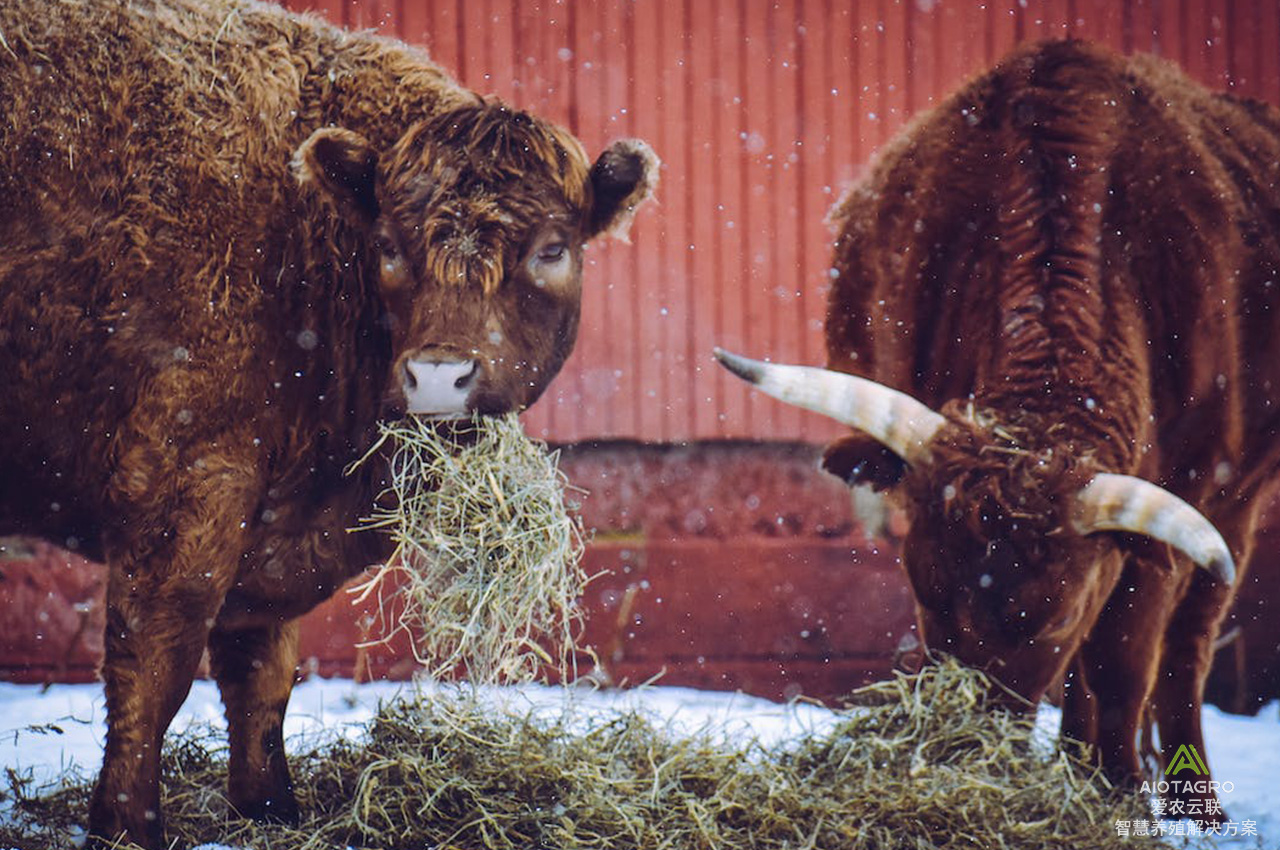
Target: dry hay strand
[(920, 763), (488, 550)]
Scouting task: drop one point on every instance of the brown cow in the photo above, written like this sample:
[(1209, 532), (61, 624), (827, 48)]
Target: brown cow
[(231, 239), (1064, 282)]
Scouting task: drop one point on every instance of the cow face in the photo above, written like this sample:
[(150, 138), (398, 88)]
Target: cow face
[(1002, 579), (474, 224), (1007, 551)]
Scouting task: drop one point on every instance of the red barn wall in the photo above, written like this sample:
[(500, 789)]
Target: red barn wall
[(762, 113), (728, 560)]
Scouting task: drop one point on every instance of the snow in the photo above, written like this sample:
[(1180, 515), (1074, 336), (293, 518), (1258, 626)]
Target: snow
[(47, 730)]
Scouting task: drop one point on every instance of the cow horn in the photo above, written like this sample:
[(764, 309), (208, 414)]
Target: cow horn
[(904, 425), (1124, 503)]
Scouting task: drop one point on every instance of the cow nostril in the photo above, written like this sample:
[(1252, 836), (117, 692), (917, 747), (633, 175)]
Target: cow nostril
[(465, 380), (410, 380)]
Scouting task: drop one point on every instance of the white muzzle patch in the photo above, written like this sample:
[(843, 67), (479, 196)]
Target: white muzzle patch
[(439, 387)]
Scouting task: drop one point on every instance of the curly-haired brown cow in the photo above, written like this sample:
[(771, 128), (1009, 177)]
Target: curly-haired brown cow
[(1065, 282), (231, 240)]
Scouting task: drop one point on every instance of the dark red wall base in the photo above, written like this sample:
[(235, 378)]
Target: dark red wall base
[(731, 566)]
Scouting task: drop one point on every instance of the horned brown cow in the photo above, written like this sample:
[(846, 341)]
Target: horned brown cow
[(232, 239), (1064, 282)]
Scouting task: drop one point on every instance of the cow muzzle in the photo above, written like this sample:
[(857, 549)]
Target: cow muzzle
[(438, 387)]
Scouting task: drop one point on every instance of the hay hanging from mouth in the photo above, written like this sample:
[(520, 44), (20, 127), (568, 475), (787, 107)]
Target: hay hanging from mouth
[(921, 763), (486, 548)]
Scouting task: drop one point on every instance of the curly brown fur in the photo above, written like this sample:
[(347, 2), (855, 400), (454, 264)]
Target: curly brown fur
[(1086, 247), (221, 258)]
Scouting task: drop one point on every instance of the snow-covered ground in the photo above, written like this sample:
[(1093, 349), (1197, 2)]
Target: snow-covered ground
[(48, 730)]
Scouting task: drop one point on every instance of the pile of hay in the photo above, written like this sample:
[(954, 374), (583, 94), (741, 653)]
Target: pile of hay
[(489, 554), (917, 764)]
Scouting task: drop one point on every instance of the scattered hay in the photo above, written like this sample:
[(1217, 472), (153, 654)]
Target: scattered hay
[(490, 555), (918, 764)]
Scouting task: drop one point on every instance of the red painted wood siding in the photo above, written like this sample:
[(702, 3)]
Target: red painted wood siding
[(762, 113)]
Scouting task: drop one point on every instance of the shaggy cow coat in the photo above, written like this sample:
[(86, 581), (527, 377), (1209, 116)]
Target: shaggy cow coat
[(231, 239), (1077, 259), (1074, 264)]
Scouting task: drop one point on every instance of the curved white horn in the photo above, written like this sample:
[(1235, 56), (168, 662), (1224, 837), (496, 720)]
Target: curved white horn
[(904, 425), (1113, 502)]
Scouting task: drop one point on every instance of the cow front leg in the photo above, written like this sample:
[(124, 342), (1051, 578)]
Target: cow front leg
[(1079, 704), (154, 639), (1179, 698), (1119, 663), (255, 670)]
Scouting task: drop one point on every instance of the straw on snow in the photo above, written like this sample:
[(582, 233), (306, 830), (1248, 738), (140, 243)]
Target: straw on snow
[(922, 763), (489, 554)]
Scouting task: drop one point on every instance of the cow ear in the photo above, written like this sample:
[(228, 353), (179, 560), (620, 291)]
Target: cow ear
[(344, 165), (622, 179)]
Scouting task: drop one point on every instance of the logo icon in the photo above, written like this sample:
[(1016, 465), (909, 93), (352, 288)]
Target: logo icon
[(1186, 757)]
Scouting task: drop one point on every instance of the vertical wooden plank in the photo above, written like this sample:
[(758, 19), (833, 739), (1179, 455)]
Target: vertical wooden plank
[(674, 309), (1143, 25), (1268, 59), (1003, 29), (649, 113), (1240, 21), (377, 15), (924, 58), (757, 244), (1102, 22), (955, 62), (331, 9), (975, 35), (845, 157), (782, 276), (895, 37), (1172, 15), (708, 290), (624, 259), (532, 27), (807, 173), (415, 24), (475, 58), (501, 73), (1217, 64), (733, 329), (866, 51), (1194, 34), (443, 35), (592, 359), (819, 87), (1052, 18)]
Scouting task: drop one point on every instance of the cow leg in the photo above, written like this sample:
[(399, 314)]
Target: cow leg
[(1079, 705), (155, 636), (1120, 662), (255, 670), (1188, 641), (1179, 694)]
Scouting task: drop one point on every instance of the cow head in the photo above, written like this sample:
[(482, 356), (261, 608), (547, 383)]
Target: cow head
[(474, 224), (1007, 552)]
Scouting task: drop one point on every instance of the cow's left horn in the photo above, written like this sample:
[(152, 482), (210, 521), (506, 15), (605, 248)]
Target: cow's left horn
[(1113, 502), (904, 425)]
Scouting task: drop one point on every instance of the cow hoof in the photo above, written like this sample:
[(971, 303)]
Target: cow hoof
[(272, 810)]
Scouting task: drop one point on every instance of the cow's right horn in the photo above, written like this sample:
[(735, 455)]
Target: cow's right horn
[(904, 425), (1113, 502)]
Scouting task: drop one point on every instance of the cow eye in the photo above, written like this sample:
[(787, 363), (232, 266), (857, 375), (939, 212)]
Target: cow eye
[(552, 252), (388, 249)]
